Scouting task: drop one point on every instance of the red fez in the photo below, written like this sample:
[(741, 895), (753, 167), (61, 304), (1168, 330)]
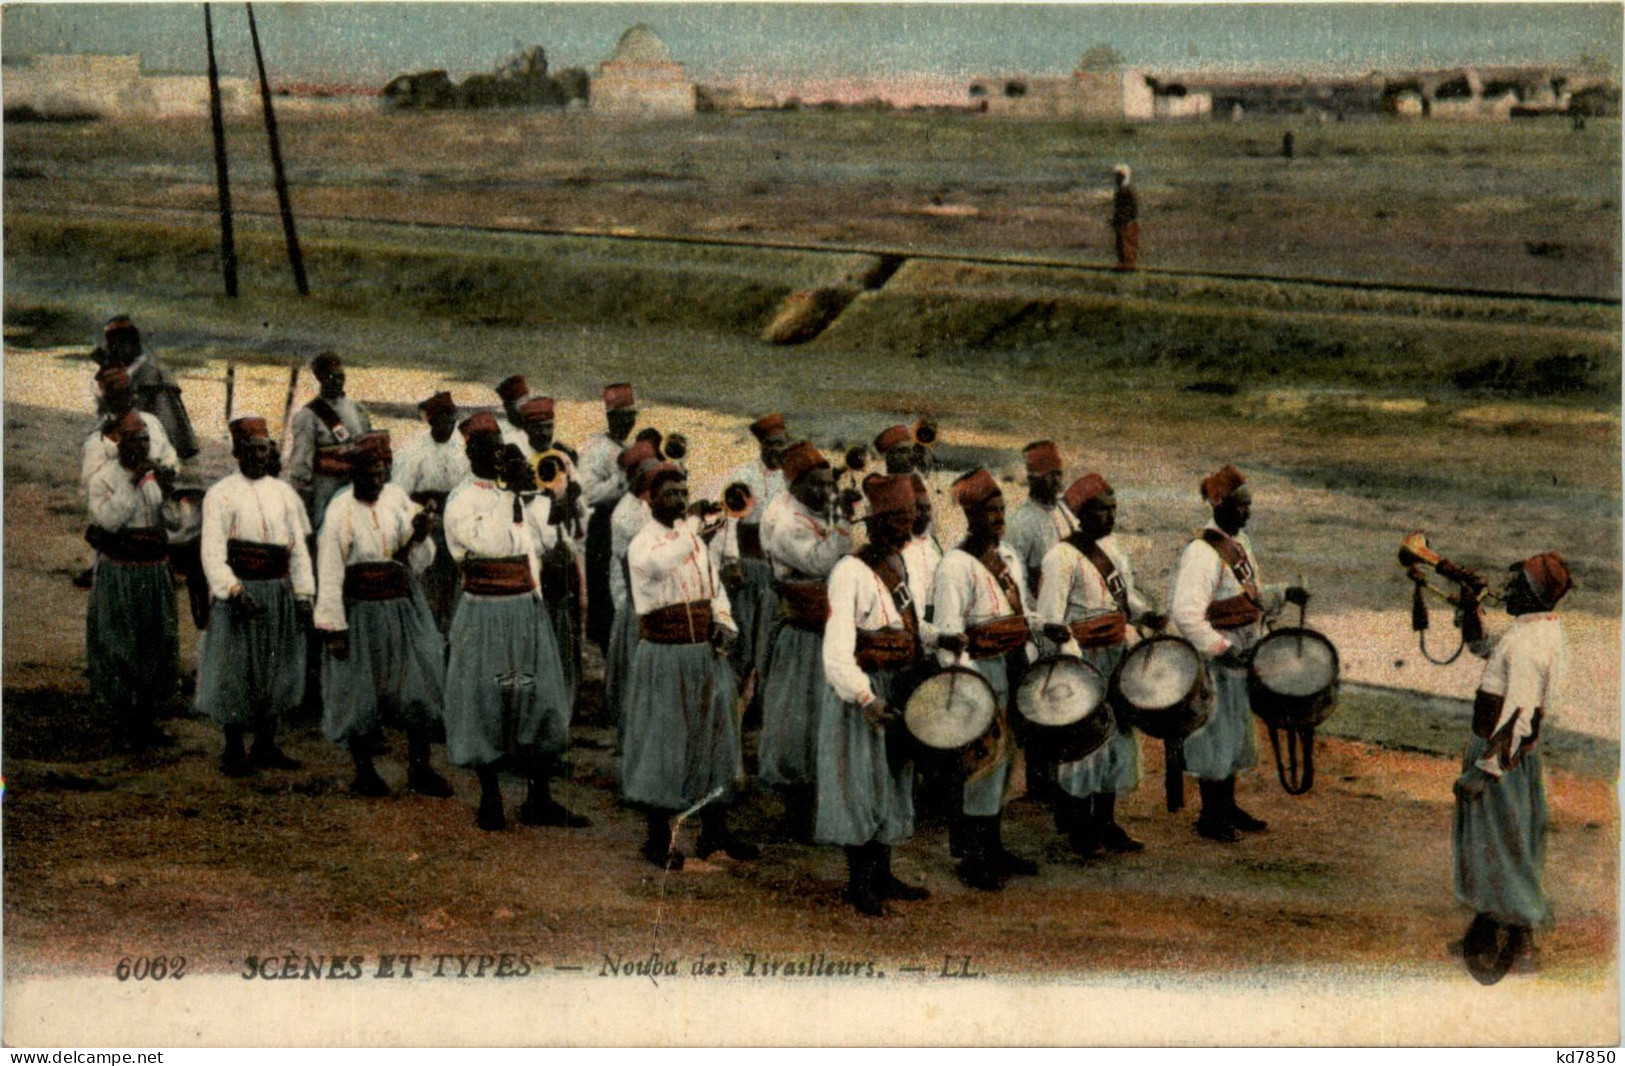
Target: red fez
[(799, 458), (640, 452), (768, 426), (129, 422), (1221, 484), (247, 428), (325, 363), (536, 409), (512, 389), (118, 323), (618, 396), (440, 403), (1042, 458), (373, 445), (659, 474), (893, 437), (1548, 575), (641, 473), (113, 379), (1085, 489), (975, 488), (479, 422), (889, 493)]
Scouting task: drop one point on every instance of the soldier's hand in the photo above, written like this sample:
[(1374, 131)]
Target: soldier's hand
[(1155, 621), (244, 607), (1236, 658), (140, 471), (723, 639), (573, 492), (879, 713), (952, 643), (306, 608), (338, 644), (1471, 784), (1057, 634), (733, 576), (1297, 595)]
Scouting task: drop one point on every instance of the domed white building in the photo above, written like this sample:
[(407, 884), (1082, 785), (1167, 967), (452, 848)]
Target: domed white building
[(641, 79)]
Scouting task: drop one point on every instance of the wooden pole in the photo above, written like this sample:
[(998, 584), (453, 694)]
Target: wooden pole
[(228, 246), (290, 236)]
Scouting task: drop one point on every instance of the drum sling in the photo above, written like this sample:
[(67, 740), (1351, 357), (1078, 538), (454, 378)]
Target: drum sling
[(331, 460), (1001, 636), (1237, 611)]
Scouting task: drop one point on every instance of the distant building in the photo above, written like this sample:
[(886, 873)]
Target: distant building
[(1177, 101), (115, 87), (641, 79), (1118, 95)]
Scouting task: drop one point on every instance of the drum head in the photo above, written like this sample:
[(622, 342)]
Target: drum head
[(950, 710), (1060, 691), (1295, 662), (1159, 673)]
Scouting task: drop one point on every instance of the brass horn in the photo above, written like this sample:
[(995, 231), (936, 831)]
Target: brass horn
[(1414, 555), (925, 431)]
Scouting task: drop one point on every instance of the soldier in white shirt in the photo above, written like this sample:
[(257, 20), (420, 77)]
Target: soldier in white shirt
[(131, 649), (427, 470), (101, 447), (257, 561), (630, 516), (383, 654), (745, 568), (1220, 606), (921, 556), (871, 655), (603, 484), (1500, 826), (804, 538), (896, 445), (562, 581), (982, 607), (1086, 602), (319, 438), (506, 699), (1041, 521), (511, 390), (680, 736), (155, 393)]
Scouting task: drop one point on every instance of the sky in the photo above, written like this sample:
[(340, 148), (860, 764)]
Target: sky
[(776, 44)]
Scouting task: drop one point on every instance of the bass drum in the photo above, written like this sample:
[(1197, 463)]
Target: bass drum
[(953, 721), (1062, 703), (1161, 688)]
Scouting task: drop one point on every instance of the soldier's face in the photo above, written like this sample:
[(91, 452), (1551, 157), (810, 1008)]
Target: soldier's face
[(815, 488), (987, 521), (670, 500), (332, 382), (894, 528), (1098, 516), (133, 448), (540, 434), (370, 478), (621, 421), (1044, 487), (1519, 595), (922, 514), (254, 457), (772, 448), (1232, 514), (442, 424)]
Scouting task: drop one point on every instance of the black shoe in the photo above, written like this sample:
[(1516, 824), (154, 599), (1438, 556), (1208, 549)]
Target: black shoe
[(85, 578), (863, 883), (672, 860), (271, 757), (1115, 839), (1212, 829), (1084, 841), (368, 783), (730, 845), (886, 884), (958, 831), (551, 813), (148, 737), (490, 816), (235, 764), (979, 874), (425, 782), (1008, 862), (1244, 821)]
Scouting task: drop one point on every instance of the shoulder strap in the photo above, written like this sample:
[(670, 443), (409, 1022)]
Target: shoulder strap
[(1102, 562), (330, 418), (894, 576), (1001, 573), (1237, 561)]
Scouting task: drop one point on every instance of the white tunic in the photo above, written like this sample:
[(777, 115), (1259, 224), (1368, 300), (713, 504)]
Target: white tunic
[(601, 477), (967, 594), (921, 557), (1033, 530), (798, 542), (631, 514), (116, 504), (357, 532), (1202, 577), (670, 565), (427, 465), (99, 450), (858, 600), (1073, 589), (264, 511), (1525, 669), (765, 486), (479, 524)]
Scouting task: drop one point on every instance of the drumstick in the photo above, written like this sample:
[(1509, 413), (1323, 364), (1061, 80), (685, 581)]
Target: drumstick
[(1042, 689), (1301, 608)]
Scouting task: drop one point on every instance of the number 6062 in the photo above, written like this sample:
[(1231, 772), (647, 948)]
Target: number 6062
[(150, 967)]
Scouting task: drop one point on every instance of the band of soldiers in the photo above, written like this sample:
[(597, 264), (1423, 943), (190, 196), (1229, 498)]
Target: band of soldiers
[(455, 586)]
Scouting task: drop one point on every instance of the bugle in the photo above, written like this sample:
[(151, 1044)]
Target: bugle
[(1471, 590)]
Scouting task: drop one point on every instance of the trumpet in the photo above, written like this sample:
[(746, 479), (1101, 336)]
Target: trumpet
[(552, 469), (925, 431), (737, 502), (675, 447), (1414, 555)]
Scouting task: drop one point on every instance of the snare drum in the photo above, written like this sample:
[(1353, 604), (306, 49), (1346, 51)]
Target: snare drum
[(1064, 714), (954, 721), (1292, 682), (1161, 688)]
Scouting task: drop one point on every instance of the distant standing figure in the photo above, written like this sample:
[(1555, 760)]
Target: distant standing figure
[(1286, 145), (1126, 220), (154, 391), (319, 458)]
